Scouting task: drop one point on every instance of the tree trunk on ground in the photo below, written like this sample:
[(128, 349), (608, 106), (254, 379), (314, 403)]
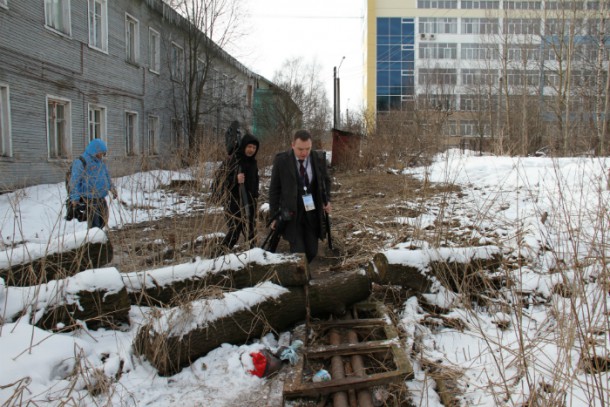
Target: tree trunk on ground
[(326, 296), (63, 305), (455, 268), (383, 271), (58, 266), (145, 290), (98, 309)]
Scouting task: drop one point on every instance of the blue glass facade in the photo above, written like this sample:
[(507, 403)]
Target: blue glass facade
[(395, 62)]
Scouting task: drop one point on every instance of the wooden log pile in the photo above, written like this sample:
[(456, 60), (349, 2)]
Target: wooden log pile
[(174, 336), (172, 341)]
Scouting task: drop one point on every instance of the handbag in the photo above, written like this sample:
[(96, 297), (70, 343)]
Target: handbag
[(78, 212)]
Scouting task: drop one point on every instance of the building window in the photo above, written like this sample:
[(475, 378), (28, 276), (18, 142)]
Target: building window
[(438, 76), (249, 95), (469, 77), (97, 122), (520, 77), (480, 26), (153, 134), (57, 15), (131, 132), (438, 25), (214, 82), (98, 24), (177, 135), (395, 62), (59, 122), (593, 5), (523, 53), (479, 77), (474, 103), (132, 39), (451, 128), (154, 50), (468, 103), (448, 4), (473, 51), (481, 4), (522, 26), (441, 103), (437, 51), (201, 72), (224, 87), (468, 128), (561, 27), (177, 62), (5, 123), (522, 5)]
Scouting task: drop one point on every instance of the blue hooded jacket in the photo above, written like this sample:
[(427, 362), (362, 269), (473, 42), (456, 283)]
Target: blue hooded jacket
[(92, 180)]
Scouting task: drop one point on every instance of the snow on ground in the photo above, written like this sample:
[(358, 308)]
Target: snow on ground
[(550, 214)]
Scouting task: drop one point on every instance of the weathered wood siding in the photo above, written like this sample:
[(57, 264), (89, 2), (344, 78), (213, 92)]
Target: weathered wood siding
[(36, 62)]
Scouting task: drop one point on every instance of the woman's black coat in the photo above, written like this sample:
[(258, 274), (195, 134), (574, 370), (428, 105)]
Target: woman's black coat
[(226, 178)]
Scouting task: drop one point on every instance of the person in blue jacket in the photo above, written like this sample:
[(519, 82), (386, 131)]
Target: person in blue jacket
[(90, 183)]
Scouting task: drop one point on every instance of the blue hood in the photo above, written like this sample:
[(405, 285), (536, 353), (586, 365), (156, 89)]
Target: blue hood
[(91, 180), (96, 146)]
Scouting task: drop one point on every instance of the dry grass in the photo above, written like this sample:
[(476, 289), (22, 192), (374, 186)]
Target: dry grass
[(368, 209)]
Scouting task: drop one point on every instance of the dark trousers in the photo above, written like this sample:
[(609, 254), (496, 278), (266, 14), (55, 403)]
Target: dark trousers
[(306, 234), (97, 212), (237, 224)]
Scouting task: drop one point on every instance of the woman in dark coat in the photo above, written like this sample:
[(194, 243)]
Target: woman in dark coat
[(240, 169)]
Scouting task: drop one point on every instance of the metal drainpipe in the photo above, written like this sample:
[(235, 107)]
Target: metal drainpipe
[(336, 371), (364, 395)]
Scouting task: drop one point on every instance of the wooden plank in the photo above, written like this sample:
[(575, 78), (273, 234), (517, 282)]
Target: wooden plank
[(322, 352), (348, 383), (402, 362), (347, 323), (294, 379)]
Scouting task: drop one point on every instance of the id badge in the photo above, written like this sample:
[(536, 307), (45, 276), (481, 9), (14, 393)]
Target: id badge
[(308, 202)]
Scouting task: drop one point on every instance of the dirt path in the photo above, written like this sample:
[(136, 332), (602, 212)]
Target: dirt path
[(363, 204)]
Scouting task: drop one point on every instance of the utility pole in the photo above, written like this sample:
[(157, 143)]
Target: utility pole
[(337, 97), (335, 80)]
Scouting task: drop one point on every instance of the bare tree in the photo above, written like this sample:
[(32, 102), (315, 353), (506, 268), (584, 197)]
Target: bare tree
[(434, 106), (598, 30), (301, 81), (209, 90)]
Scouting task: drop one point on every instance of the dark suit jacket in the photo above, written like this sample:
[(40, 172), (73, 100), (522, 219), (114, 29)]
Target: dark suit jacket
[(284, 194)]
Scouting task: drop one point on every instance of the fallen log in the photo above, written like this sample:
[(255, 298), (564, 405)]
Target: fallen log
[(169, 285), (419, 269), (178, 337), (96, 297), (37, 263)]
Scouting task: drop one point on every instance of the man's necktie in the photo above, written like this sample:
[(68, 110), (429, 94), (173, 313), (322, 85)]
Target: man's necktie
[(303, 172)]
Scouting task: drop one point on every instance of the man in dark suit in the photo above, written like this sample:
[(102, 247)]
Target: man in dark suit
[(300, 191)]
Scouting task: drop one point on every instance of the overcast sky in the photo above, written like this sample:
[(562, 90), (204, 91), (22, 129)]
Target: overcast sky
[(325, 30)]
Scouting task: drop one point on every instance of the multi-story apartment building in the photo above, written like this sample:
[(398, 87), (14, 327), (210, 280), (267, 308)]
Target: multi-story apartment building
[(518, 74), (120, 70)]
